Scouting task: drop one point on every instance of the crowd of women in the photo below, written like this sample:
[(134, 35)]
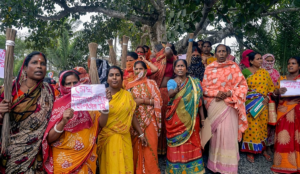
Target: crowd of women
[(158, 105)]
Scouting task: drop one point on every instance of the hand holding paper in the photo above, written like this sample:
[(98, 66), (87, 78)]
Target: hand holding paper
[(292, 86)]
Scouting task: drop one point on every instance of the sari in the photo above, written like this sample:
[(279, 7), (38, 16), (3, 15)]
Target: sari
[(210, 60), (114, 140), (160, 61), (149, 118), (227, 117), (260, 85), (184, 154), (148, 54), (84, 76), (287, 143), (274, 74), (75, 149), (28, 122)]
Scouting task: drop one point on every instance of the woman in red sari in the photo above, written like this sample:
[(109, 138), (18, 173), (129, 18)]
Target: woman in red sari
[(163, 60), (69, 143), (287, 138), (148, 113)]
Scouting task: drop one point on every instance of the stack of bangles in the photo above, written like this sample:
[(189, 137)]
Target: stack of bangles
[(142, 135), (102, 112), (145, 101)]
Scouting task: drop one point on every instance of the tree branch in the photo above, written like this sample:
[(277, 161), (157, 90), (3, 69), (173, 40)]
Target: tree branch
[(280, 11), (155, 5), (181, 45), (206, 9), (61, 3), (87, 9), (220, 35), (208, 32)]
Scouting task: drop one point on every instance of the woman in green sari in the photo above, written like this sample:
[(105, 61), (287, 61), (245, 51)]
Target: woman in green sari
[(184, 154)]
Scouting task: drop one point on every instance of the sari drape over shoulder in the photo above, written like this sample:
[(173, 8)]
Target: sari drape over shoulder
[(260, 85), (227, 117), (75, 150), (114, 140), (184, 153), (29, 118), (287, 141), (149, 118)]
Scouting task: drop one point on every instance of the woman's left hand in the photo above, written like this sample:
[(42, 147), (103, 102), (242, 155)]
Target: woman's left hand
[(144, 141), (266, 101), (108, 94)]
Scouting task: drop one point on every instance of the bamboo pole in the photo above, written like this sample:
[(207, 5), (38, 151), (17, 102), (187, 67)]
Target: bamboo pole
[(8, 75), (124, 51), (112, 53), (93, 67), (189, 50)]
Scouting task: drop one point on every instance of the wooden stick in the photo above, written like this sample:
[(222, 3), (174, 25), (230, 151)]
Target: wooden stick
[(112, 54), (124, 51), (93, 67), (8, 74), (189, 50)]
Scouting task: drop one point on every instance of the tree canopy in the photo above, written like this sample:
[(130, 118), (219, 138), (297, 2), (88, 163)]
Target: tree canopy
[(155, 20)]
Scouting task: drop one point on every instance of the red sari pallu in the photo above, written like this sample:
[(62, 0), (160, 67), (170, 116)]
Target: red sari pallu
[(160, 63), (75, 150)]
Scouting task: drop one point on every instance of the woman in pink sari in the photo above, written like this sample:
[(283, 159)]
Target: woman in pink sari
[(225, 90)]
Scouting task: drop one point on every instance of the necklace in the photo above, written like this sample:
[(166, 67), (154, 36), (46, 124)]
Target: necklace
[(27, 85)]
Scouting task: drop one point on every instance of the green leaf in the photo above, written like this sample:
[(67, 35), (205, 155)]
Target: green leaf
[(179, 14), (184, 12), (172, 14), (211, 17)]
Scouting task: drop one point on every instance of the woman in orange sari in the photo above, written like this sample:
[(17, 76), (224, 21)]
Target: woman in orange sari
[(287, 141), (147, 52), (148, 113), (69, 143), (131, 58)]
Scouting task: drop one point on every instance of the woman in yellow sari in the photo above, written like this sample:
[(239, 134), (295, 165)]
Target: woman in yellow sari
[(287, 144), (114, 141), (69, 143), (260, 85)]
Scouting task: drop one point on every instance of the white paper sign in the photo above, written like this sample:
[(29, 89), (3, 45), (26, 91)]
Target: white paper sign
[(183, 56), (89, 98), (2, 63), (292, 86)]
